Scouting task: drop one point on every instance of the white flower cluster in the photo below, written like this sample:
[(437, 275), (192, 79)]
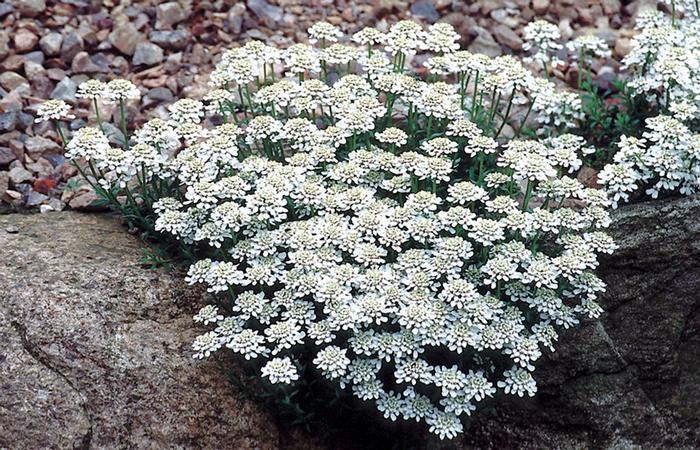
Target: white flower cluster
[(665, 159), (541, 40), (368, 228), (556, 108), (664, 62), (665, 68)]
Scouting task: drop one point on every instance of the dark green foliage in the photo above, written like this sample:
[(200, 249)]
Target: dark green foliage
[(608, 115)]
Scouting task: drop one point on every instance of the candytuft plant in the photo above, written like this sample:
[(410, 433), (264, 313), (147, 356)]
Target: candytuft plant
[(386, 234)]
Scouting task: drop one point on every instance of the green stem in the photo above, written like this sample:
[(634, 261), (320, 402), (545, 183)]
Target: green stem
[(673, 13), (527, 114), (60, 132), (98, 116), (505, 118), (476, 85), (528, 194), (122, 112)]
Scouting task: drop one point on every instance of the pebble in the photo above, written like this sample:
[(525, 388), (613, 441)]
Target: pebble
[(507, 37), (540, 6), (20, 175), (56, 204), (37, 146), (147, 54), (85, 202), (11, 229), (33, 70), (622, 47), (484, 43), (43, 168), (13, 62), (71, 46), (6, 156), (425, 10), (4, 44), (50, 44), (176, 40), (265, 11), (158, 95), (24, 40), (31, 8), (65, 90), (125, 37), (8, 121), (4, 182), (35, 56), (13, 100), (35, 198), (169, 14), (5, 9), (235, 18), (83, 63), (12, 80)]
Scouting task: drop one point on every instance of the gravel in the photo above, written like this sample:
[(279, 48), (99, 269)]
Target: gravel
[(168, 49)]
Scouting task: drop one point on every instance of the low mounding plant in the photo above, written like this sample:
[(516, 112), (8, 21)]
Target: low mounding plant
[(665, 69), (362, 224)]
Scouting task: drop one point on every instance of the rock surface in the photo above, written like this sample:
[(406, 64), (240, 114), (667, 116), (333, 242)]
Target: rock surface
[(96, 350), (631, 379)]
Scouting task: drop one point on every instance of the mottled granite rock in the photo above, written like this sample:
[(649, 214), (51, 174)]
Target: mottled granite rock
[(631, 379), (96, 350)]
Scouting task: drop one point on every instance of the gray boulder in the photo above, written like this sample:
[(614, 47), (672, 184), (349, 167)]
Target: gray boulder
[(96, 350), (632, 378)]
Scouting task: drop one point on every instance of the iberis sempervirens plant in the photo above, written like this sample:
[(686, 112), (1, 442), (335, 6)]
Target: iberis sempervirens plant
[(385, 231)]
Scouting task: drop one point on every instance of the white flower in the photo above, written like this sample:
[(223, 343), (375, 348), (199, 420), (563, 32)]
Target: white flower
[(332, 361), (91, 89), (325, 32), (280, 370), (518, 382), (186, 111), (120, 90), (53, 110), (208, 314)]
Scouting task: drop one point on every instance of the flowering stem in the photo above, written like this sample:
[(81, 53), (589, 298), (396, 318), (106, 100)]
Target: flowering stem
[(505, 117), (60, 132), (250, 101), (673, 13), (481, 167), (97, 115), (527, 114), (122, 112), (528, 194), (240, 95), (463, 88), (476, 84), (496, 99)]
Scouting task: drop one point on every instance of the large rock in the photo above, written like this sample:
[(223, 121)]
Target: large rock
[(96, 350), (631, 379)]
